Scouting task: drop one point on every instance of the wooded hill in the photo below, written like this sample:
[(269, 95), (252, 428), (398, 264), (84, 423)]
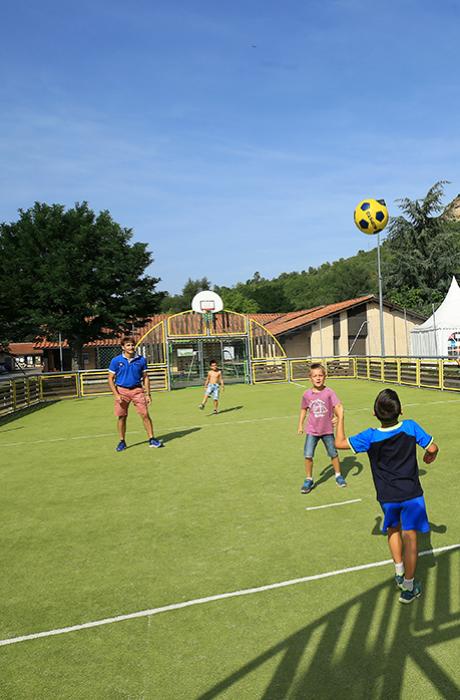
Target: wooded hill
[(419, 257)]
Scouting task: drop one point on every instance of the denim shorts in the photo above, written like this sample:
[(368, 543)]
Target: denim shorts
[(312, 440), (212, 390)]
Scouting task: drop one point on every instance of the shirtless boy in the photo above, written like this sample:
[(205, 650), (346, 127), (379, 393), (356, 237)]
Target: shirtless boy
[(214, 381)]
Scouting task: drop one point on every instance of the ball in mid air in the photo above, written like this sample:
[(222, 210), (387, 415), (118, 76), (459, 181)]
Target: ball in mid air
[(371, 215)]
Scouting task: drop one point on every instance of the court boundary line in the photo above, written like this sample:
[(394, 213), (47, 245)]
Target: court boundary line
[(331, 505), (214, 424), (209, 599)]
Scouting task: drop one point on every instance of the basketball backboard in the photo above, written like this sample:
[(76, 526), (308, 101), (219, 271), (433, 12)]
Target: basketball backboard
[(207, 302)]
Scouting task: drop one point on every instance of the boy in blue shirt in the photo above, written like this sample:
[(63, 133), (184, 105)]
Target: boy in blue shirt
[(392, 455), (129, 381)]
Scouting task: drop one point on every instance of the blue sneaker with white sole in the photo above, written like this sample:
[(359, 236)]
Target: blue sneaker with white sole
[(408, 596), (121, 446), (307, 486), (340, 481), (399, 580), (153, 442)]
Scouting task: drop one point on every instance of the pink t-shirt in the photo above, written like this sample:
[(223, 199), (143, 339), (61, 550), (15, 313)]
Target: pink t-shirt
[(320, 405)]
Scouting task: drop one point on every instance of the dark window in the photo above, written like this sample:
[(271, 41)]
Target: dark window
[(357, 330)]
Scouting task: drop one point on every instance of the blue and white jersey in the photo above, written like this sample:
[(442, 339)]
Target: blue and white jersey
[(128, 373), (393, 459)]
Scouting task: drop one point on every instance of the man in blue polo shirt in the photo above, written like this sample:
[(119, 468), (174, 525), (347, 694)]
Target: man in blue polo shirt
[(129, 381), (392, 455)]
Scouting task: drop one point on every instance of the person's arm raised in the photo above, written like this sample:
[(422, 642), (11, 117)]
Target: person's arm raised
[(341, 441)]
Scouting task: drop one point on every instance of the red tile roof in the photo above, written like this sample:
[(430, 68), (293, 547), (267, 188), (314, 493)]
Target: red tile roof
[(24, 349), (276, 323), (105, 342), (304, 318)]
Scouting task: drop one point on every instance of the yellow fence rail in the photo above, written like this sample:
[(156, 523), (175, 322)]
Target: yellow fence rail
[(20, 393)]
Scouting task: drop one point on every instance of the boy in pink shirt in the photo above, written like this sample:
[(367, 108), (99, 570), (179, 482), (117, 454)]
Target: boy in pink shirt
[(320, 403)]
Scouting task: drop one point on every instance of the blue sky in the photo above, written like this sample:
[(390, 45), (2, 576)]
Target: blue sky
[(231, 136)]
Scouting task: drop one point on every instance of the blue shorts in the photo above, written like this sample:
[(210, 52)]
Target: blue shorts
[(212, 390), (409, 515), (312, 440)]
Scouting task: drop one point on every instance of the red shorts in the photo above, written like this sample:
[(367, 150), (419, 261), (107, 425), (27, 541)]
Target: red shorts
[(137, 396)]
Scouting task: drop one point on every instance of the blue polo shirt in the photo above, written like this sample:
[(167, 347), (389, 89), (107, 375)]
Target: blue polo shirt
[(393, 459), (128, 373)]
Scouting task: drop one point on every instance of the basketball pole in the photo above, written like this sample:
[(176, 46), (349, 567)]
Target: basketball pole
[(379, 271)]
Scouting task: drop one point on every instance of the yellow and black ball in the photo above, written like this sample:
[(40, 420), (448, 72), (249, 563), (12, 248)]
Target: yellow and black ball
[(371, 215)]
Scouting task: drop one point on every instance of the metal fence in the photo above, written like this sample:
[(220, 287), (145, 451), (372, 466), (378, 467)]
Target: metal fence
[(443, 374)]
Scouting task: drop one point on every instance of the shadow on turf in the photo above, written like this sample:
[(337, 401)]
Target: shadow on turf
[(167, 437), (424, 539), (24, 412), (380, 638), (346, 466), (227, 410)]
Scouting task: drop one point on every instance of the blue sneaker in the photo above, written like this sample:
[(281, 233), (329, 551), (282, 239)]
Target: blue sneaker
[(408, 596), (121, 446), (153, 442), (307, 486), (399, 580), (340, 481)]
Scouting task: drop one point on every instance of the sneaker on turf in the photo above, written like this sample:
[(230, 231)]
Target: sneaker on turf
[(216, 412), (201, 406), (340, 481), (121, 446), (408, 596), (399, 581), (307, 486), (153, 442)]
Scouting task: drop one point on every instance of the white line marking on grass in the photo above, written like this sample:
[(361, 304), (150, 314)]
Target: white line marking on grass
[(209, 599), (214, 424), (331, 505)]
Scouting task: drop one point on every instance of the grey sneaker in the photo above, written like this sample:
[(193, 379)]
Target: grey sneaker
[(340, 481), (408, 596), (307, 486)]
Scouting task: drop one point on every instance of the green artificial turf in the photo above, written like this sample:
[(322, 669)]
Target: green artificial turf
[(88, 533)]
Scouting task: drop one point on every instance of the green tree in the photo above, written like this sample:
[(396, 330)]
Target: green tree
[(236, 300), (424, 251), (74, 272), (176, 303)]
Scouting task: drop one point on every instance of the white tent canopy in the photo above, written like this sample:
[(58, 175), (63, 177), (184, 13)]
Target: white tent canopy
[(439, 336)]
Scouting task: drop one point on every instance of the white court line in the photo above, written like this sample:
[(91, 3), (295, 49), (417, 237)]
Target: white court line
[(331, 505), (214, 424), (209, 599)]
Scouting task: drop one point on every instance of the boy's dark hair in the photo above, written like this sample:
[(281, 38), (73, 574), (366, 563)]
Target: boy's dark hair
[(387, 406), (213, 362), (318, 365), (127, 339)]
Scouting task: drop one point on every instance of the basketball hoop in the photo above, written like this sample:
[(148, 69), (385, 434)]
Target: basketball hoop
[(207, 302), (207, 306)]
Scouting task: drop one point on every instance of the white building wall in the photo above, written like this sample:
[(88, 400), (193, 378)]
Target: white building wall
[(396, 328), (343, 340), (322, 339)]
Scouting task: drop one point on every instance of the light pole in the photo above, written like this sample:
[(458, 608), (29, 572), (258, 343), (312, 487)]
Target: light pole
[(371, 217), (382, 325)]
